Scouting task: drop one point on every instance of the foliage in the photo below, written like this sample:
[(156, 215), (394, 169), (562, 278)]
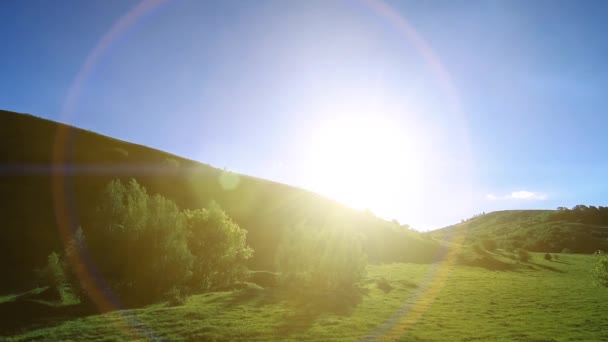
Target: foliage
[(600, 269), (262, 207), (548, 256), (57, 279), (75, 254), (155, 247), (56, 276), (218, 246), (175, 297), (328, 258)]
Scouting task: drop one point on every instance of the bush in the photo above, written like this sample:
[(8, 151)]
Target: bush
[(219, 248), (145, 247), (54, 271), (57, 279), (600, 270), (522, 255), (327, 259), (384, 285), (548, 256), (175, 297)]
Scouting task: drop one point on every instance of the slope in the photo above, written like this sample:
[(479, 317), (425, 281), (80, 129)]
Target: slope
[(581, 229), (52, 175)]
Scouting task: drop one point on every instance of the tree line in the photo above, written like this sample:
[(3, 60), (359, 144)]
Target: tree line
[(145, 248)]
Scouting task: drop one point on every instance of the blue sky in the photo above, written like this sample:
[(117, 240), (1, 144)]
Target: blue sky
[(444, 108)]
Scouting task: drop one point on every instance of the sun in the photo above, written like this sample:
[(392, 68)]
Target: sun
[(364, 161)]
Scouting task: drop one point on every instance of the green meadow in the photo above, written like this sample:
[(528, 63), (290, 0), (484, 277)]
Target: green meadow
[(124, 242), (539, 300)]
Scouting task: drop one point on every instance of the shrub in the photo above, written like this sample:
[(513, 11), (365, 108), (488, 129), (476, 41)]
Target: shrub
[(548, 256), (489, 244), (384, 285), (600, 270), (175, 297), (219, 248), (522, 255), (57, 279), (55, 274), (145, 247), (326, 259)]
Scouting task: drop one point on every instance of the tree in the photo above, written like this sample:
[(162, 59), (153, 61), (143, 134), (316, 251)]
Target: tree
[(325, 259), (146, 247), (219, 247), (140, 243), (57, 279)]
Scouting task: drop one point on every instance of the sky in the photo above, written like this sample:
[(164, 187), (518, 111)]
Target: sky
[(427, 112)]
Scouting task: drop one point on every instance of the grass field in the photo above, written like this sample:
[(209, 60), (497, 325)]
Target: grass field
[(536, 301)]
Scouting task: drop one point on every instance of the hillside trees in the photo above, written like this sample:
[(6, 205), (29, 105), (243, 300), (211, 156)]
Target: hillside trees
[(144, 245), (218, 246), (324, 259)]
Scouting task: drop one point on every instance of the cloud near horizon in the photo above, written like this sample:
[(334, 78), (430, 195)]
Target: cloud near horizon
[(519, 195)]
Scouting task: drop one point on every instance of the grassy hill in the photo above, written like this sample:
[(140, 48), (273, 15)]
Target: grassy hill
[(460, 283), (539, 300), (52, 175), (580, 230)]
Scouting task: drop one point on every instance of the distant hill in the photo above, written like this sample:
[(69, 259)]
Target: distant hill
[(51, 177), (581, 229)]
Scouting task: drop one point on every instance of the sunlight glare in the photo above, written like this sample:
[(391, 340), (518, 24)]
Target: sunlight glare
[(365, 161)]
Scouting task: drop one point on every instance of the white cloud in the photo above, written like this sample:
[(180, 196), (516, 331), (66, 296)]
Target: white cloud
[(519, 195), (492, 197)]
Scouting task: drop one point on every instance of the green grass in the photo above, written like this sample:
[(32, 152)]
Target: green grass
[(7, 298), (536, 301)]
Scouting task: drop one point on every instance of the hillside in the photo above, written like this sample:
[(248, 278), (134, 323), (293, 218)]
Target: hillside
[(52, 176), (536, 301), (581, 229)]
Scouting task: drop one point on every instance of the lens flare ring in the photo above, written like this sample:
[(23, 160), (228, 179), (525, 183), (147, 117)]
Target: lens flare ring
[(64, 199)]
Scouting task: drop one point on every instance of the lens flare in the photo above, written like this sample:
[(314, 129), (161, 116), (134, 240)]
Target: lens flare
[(64, 198)]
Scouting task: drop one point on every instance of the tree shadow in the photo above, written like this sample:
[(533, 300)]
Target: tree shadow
[(546, 267), (490, 263), (306, 304), (309, 305), (251, 296), (28, 314), (561, 262)]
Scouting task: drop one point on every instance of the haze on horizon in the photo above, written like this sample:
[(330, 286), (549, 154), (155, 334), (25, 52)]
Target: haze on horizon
[(424, 112)]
